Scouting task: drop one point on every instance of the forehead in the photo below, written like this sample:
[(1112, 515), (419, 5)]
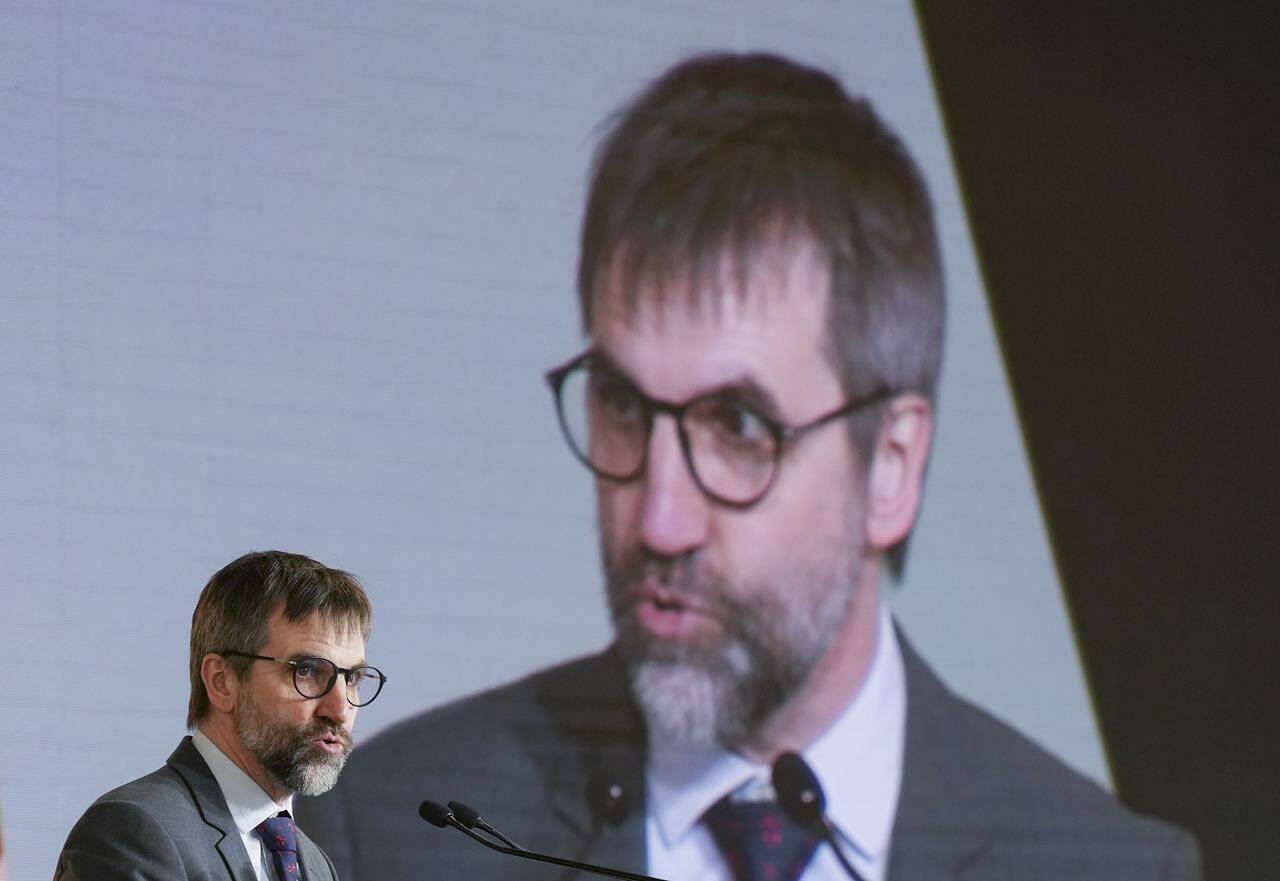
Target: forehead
[(766, 321), (322, 634)]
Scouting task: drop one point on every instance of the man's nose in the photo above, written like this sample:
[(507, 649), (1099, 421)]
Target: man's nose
[(677, 514), (334, 704)]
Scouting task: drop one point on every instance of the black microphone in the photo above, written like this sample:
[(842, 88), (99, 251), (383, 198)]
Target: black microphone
[(435, 813), (470, 817), (439, 815), (801, 797)]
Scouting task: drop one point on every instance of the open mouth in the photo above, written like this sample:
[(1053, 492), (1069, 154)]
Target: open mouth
[(668, 614), (667, 604), (330, 743)]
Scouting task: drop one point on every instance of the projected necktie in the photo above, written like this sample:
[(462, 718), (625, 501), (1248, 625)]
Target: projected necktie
[(281, 838), (758, 841)]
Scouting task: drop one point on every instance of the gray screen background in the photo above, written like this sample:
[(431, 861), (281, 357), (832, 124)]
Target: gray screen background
[(288, 275)]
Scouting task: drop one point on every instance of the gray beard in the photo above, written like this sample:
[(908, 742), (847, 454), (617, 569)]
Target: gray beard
[(285, 750), (719, 692)]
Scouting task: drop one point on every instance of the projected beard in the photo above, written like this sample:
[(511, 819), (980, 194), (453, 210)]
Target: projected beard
[(287, 752), (720, 688)]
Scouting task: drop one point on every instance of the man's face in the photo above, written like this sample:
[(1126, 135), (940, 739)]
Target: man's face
[(722, 614), (301, 742)]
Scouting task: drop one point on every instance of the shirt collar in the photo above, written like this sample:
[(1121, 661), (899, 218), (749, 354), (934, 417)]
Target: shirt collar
[(683, 782), (248, 804), (858, 760)]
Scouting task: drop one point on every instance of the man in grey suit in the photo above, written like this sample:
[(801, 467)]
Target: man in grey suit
[(277, 673), (761, 289)]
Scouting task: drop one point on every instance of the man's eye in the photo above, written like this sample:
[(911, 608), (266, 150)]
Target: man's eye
[(614, 398), (355, 677), (306, 668), (733, 422)]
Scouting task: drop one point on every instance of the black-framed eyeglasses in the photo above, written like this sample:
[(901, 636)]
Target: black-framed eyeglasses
[(732, 450), (314, 677)]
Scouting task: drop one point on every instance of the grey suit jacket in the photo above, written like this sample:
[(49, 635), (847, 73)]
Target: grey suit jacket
[(170, 825), (538, 758)]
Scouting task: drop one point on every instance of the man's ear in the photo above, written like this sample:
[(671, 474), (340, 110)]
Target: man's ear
[(220, 682), (896, 476)]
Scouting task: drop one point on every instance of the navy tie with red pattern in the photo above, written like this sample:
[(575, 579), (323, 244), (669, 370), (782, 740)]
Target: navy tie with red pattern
[(281, 838), (759, 842)]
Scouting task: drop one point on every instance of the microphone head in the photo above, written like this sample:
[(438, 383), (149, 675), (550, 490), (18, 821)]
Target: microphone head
[(799, 791), (608, 798), (465, 814), (435, 813)]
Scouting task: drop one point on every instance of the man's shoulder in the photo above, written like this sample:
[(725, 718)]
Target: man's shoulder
[(1008, 766), (143, 822), (165, 795), (161, 792), (970, 771)]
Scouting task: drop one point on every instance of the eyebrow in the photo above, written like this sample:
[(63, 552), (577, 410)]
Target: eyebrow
[(298, 656), (745, 390)]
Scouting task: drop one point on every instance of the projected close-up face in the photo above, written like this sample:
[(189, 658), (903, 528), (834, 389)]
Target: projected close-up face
[(724, 608)]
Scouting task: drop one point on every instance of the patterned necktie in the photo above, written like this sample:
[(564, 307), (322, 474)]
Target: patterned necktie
[(281, 838), (759, 842)]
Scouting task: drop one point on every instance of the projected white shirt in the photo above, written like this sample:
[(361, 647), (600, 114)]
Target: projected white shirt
[(858, 761)]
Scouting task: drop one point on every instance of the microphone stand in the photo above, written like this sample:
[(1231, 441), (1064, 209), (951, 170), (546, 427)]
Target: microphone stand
[(547, 858), (833, 839)]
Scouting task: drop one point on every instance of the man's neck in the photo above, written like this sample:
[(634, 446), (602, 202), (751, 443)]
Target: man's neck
[(831, 686), (221, 730)]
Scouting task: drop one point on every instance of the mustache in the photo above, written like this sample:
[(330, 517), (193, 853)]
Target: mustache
[(321, 727), (677, 573), (628, 575)]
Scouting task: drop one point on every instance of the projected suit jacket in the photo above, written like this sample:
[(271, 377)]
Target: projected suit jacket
[(172, 824), (540, 757)]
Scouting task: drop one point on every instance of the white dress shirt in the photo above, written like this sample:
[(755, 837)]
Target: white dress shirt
[(858, 761), (249, 805)]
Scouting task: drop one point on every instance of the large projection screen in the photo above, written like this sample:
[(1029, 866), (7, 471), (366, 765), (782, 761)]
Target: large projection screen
[(287, 275)]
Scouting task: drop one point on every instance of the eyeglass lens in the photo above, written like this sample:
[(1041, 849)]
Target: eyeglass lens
[(607, 421), (313, 678)]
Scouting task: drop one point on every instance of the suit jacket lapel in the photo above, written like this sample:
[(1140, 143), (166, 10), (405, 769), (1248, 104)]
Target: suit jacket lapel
[(938, 834), (312, 861), (212, 806), (597, 789)]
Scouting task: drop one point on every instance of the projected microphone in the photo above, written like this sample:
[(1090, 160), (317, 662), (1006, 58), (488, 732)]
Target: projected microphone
[(438, 815), (609, 798), (800, 795)]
